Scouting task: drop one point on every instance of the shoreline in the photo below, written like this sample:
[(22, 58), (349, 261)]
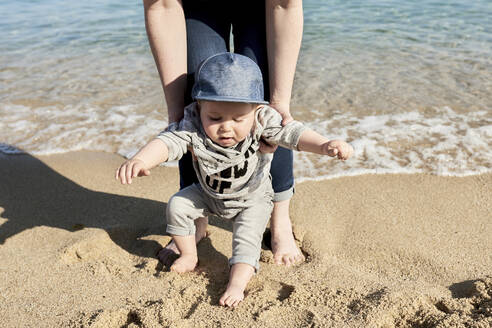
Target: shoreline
[(8, 150), (383, 250)]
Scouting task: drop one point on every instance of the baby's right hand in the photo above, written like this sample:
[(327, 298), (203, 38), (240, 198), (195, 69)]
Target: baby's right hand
[(131, 169)]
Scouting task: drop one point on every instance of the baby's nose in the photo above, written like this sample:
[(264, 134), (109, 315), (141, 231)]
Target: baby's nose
[(226, 126)]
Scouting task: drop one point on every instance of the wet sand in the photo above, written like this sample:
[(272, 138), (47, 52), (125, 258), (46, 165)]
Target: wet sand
[(77, 249)]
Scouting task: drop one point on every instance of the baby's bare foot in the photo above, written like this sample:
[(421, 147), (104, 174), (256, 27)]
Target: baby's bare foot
[(232, 296), (185, 263), (240, 275), (168, 254)]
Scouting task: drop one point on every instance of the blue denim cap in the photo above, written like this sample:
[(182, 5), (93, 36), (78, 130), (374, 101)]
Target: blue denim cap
[(229, 77)]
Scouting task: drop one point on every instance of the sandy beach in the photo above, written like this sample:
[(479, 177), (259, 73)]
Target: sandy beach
[(77, 249), (400, 235)]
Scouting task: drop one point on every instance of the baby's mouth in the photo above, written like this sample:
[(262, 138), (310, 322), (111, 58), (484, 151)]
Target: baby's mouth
[(226, 140)]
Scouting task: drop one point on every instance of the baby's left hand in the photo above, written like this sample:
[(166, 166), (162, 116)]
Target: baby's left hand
[(338, 148)]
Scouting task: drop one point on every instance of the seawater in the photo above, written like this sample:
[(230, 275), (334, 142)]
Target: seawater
[(409, 84)]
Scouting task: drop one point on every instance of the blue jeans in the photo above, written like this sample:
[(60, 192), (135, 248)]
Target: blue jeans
[(208, 29)]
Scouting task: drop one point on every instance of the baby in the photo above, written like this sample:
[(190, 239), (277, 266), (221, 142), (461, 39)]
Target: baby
[(223, 129)]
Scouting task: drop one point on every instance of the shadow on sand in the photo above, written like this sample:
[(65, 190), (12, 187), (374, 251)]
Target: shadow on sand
[(32, 194)]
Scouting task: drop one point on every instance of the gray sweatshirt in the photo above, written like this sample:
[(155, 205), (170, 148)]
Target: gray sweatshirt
[(234, 172)]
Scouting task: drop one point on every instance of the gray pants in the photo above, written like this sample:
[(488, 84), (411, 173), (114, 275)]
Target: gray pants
[(250, 218)]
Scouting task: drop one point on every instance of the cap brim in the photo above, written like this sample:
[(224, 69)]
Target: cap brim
[(232, 99)]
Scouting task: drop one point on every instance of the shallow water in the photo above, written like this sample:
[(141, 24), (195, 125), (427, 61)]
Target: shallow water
[(409, 84)]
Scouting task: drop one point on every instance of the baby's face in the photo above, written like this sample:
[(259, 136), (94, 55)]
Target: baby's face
[(227, 123)]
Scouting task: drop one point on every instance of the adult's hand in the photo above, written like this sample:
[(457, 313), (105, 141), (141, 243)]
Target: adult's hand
[(267, 148), (282, 109)]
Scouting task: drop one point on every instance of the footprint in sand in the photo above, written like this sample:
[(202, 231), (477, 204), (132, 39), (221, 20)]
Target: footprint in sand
[(108, 318), (93, 245), (97, 249), (469, 306), (169, 312)]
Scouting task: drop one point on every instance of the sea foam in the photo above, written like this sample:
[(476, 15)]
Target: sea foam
[(441, 141)]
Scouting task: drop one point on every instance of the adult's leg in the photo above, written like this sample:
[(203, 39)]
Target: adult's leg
[(284, 248), (207, 33), (250, 40)]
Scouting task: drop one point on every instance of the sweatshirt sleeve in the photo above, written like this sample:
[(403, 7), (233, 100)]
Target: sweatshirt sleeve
[(179, 136), (273, 132), (176, 139)]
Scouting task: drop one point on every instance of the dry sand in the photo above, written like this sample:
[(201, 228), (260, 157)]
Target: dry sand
[(77, 250)]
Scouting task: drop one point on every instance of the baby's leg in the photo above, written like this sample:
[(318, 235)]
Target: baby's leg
[(182, 209), (239, 277), (248, 229), (167, 254), (188, 258)]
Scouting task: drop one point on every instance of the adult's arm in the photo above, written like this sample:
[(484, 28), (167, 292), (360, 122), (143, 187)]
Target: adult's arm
[(166, 31), (284, 23)]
